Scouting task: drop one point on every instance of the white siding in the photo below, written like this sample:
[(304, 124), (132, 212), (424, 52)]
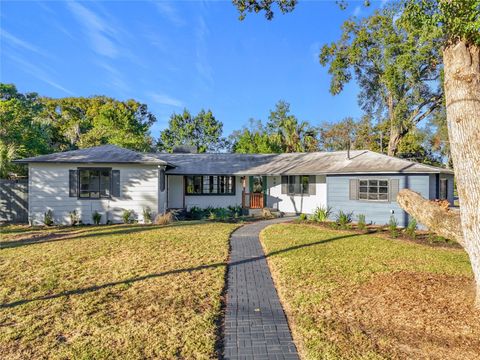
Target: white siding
[(295, 204), (49, 189), (175, 195)]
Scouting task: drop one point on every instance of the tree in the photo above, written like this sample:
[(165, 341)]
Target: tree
[(456, 24), (7, 155), (253, 140), (282, 133), (338, 136), (290, 134), (97, 120), (202, 131), (395, 67), (438, 138), (22, 131), (34, 125)]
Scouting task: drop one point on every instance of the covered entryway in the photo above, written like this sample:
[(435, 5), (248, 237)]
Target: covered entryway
[(255, 198)]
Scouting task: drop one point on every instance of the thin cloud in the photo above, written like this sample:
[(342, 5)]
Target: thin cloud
[(39, 73), (168, 11), (99, 31), (116, 80), (164, 99), (201, 63), (19, 43)]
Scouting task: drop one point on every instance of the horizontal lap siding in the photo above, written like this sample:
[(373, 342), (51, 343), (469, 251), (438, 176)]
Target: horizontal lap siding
[(376, 212), (49, 190), (224, 201), (297, 203)]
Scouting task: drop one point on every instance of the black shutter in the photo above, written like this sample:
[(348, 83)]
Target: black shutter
[(312, 185), (116, 183), (394, 189), (73, 183), (161, 175), (353, 189), (284, 184)]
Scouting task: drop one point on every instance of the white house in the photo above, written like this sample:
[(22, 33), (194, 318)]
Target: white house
[(109, 179)]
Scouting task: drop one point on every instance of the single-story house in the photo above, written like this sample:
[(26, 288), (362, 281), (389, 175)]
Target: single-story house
[(110, 179)]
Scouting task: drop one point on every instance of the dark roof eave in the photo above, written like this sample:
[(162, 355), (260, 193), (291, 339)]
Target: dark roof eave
[(26, 161), (316, 173)]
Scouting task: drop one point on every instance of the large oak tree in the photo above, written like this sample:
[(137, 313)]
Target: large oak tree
[(456, 24)]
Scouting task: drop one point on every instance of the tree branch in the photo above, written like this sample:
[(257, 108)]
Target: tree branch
[(444, 222), (434, 102)]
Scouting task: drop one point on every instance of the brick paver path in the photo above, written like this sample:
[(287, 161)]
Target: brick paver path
[(255, 324)]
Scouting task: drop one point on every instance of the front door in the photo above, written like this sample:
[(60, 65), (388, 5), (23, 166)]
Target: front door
[(257, 187)]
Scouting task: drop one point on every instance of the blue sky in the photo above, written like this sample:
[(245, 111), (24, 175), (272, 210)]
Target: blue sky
[(172, 55)]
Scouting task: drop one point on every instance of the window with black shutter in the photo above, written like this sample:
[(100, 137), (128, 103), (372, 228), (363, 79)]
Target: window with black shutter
[(94, 183)]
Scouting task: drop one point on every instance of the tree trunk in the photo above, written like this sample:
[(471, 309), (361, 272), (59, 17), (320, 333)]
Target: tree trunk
[(395, 137), (395, 133), (462, 95)]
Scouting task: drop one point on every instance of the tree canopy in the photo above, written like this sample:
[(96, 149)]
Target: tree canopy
[(398, 70), (283, 132), (202, 131), (32, 125)]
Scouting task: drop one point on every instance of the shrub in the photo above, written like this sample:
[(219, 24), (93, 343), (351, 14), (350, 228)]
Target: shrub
[(343, 219), (164, 219), (411, 227), (235, 211), (147, 215), (196, 213), (128, 216), (96, 217), (322, 213), (48, 218), (393, 226), (362, 224), (302, 217), (212, 215), (222, 213), (74, 218)]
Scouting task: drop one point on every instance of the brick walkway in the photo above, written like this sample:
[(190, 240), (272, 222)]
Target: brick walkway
[(255, 324)]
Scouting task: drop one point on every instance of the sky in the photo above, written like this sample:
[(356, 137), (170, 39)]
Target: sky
[(179, 54)]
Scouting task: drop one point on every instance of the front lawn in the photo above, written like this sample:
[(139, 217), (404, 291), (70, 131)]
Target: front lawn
[(351, 296), (120, 291)]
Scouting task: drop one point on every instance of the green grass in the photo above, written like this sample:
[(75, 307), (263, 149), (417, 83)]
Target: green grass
[(120, 291), (351, 296)]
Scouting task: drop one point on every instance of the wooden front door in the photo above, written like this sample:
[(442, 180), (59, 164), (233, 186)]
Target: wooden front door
[(257, 186)]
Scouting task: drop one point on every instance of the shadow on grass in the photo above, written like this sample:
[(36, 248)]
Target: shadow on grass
[(87, 232), (171, 272)]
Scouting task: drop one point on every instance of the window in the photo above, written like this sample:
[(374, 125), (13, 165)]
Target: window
[(210, 185), (94, 183), (296, 185), (443, 189), (376, 190)]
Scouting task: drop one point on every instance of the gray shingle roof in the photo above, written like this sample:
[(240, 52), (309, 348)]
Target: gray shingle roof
[(99, 154), (317, 163)]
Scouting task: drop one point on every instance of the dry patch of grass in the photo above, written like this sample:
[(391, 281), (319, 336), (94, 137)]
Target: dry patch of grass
[(360, 296), (120, 291)]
